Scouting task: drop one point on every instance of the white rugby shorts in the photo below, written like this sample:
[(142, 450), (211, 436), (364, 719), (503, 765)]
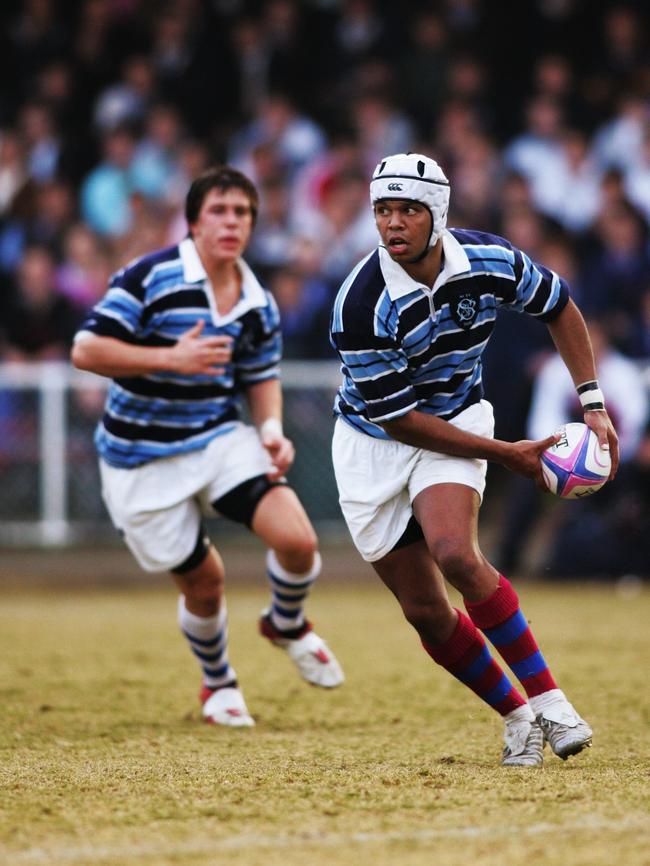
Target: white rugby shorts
[(378, 479), (158, 506)]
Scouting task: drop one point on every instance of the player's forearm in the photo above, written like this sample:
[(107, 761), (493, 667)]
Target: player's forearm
[(433, 434), (571, 338), (107, 356), (265, 401)]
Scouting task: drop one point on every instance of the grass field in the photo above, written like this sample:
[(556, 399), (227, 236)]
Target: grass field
[(104, 759)]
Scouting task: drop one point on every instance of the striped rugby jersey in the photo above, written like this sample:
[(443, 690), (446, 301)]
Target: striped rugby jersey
[(406, 346), (151, 302)]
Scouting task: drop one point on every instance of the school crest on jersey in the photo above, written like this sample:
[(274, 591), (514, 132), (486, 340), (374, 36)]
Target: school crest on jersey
[(464, 308)]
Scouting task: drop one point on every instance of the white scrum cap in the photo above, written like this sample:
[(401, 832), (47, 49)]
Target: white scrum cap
[(415, 177)]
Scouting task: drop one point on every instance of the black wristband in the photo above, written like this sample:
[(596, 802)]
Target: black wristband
[(588, 386)]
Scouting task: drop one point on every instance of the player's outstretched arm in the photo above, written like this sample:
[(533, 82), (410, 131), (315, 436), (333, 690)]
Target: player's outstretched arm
[(191, 355), (571, 337), (426, 431)]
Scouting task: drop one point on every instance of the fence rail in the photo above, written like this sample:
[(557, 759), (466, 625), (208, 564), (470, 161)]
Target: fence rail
[(49, 480), (49, 483)]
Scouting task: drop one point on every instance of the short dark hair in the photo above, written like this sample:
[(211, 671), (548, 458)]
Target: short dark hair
[(221, 177)]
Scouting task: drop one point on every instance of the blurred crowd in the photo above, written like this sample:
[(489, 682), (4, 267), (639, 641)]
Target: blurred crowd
[(539, 113)]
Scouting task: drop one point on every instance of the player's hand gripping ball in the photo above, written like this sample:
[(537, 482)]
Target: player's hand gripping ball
[(576, 465)]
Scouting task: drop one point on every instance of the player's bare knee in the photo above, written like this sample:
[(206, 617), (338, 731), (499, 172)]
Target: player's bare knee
[(299, 549), (203, 588), (429, 618), (458, 562)]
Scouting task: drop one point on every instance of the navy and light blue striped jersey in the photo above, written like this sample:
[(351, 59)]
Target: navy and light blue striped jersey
[(152, 302), (405, 346)]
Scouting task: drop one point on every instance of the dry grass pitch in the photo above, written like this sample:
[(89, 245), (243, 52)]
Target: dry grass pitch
[(104, 759)]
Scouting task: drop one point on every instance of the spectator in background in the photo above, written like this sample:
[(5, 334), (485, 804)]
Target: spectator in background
[(304, 300), (292, 51), (127, 101), (342, 156), (342, 228), (173, 44), (636, 181), (638, 342), (192, 159), (554, 402), (53, 87), (553, 77), (155, 168), (36, 33), (569, 191), (42, 215), (149, 228), (423, 69), (13, 169), (38, 322), (41, 142), (274, 236), (94, 54), (59, 89), (616, 515), (105, 193), (458, 120), (620, 51), (85, 267), (294, 138), (536, 153), (250, 65), (361, 31), (615, 270), (469, 83), (612, 190), (618, 142), (380, 127), (514, 193), (475, 174)]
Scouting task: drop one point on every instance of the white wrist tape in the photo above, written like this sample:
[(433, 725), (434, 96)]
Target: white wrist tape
[(590, 395), (272, 427)]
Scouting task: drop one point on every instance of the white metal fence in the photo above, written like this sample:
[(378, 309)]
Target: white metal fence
[(49, 482)]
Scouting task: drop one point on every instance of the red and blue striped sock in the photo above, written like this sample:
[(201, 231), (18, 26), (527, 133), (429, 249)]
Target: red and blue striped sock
[(501, 620), (466, 655)]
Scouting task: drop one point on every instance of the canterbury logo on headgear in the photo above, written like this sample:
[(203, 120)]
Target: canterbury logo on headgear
[(395, 187)]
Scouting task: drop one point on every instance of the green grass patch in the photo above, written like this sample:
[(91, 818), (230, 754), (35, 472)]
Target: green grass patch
[(104, 758)]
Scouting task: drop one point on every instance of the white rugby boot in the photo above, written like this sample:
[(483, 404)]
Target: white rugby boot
[(565, 732), (225, 706), (312, 657), (523, 740)]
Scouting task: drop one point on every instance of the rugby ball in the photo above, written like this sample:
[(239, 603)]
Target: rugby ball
[(576, 465)]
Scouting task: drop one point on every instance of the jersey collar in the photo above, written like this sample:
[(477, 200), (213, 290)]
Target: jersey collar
[(399, 283), (252, 294)]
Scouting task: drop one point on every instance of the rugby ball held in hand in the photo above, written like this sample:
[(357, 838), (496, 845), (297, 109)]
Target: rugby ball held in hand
[(576, 465)]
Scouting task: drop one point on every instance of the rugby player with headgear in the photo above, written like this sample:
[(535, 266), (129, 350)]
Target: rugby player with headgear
[(414, 433)]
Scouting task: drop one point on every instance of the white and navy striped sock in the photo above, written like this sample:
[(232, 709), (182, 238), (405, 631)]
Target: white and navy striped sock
[(289, 591), (208, 640)]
